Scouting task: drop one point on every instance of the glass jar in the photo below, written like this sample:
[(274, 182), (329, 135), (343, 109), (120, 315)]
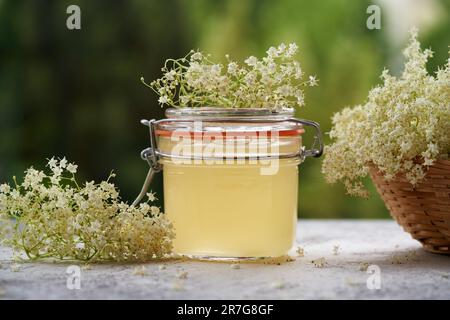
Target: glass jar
[(230, 178)]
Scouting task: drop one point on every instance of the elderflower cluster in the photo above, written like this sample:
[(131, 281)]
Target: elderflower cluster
[(402, 129), (273, 82), (49, 215)]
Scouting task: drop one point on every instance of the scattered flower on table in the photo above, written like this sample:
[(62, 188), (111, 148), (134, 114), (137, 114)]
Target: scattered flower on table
[(336, 250), (363, 266), (278, 285), (300, 251), (182, 275), (140, 271), (319, 262)]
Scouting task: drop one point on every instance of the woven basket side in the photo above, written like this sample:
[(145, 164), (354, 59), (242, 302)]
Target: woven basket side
[(423, 210)]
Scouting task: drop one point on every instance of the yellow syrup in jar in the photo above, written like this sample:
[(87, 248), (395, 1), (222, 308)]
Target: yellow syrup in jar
[(231, 210)]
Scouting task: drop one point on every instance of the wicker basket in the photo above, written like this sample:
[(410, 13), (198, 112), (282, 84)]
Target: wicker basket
[(423, 211)]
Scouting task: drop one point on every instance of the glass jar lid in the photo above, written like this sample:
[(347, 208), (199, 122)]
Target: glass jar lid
[(230, 121), (218, 112)]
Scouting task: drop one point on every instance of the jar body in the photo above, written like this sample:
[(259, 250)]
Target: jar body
[(230, 180), (231, 210)]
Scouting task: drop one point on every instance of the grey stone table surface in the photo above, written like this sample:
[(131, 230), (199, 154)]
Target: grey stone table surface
[(342, 260)]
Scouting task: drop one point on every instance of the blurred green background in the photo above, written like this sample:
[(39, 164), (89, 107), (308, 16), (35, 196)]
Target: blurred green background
[(77, 93)]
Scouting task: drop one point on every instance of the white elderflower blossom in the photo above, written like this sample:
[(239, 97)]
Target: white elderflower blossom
[(232, 68), (163, 100), (275, 81), (63, 163), (182, 275), (313, 81), (84, 222), (72, 168), (5, 188), (320, 262), (272, 52), (140, 271), (52, 162), (151, 196), (196, 56), (281, 50), (292, 50), (79, 245), (251, 61), (403, 127), (171, 75)]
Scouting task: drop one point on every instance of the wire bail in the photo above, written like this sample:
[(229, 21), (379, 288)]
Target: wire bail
[(150, 156), (313, 152)]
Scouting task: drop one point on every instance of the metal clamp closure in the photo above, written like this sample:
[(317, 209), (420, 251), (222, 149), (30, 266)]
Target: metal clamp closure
[(152, 154)]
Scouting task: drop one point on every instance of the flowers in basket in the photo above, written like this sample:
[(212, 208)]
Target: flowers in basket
[(403, 128)]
